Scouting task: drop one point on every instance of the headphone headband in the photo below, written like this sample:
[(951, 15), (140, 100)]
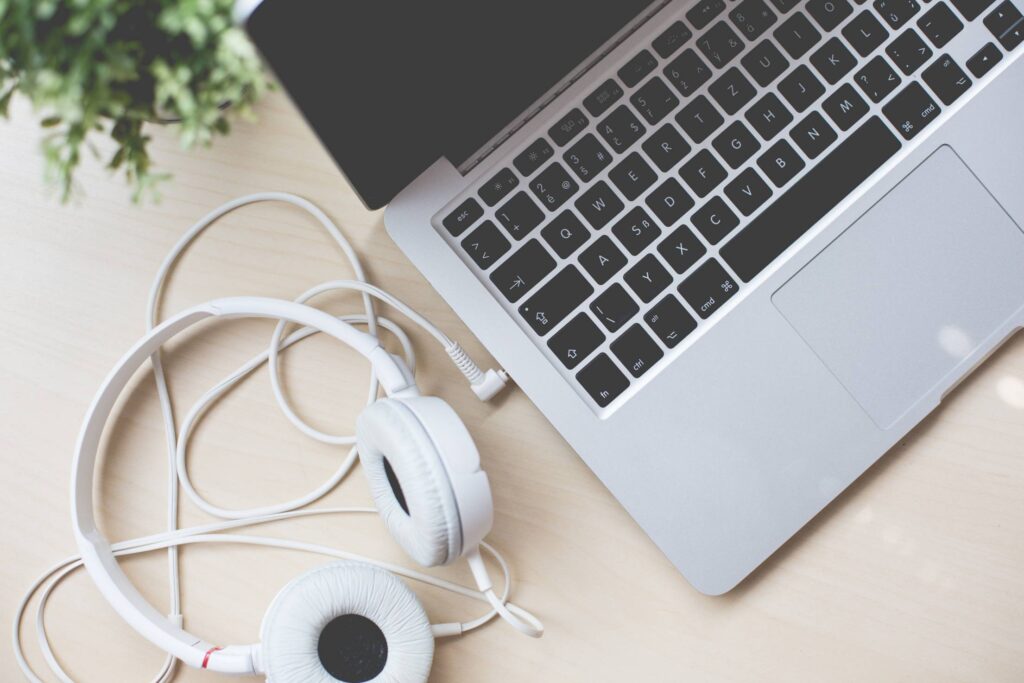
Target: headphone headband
[(95, 549)]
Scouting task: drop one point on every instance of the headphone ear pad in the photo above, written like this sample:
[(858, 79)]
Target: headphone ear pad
[(408, 480), (308, 635)]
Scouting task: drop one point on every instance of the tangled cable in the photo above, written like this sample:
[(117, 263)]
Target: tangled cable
[(484, 383)]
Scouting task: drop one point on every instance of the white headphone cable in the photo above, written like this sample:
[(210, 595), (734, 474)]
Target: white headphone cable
[(484, 384), (208, 534)]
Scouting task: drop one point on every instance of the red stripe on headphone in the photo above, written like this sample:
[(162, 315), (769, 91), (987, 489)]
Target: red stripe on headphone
[(206, 657)]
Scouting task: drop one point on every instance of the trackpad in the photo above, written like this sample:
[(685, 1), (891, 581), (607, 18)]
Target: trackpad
[(911, 289)]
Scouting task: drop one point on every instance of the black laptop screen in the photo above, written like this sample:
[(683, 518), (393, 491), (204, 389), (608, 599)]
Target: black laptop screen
[(392, 86)]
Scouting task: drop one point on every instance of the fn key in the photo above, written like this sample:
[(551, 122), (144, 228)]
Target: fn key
[(602, 380)]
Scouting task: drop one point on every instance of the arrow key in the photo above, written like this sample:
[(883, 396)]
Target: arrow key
[(984, 59), (579, 338)]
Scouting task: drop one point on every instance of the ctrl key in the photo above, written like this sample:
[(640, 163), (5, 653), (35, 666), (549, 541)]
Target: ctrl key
[(911, 110), (602, 380), (708, 288)]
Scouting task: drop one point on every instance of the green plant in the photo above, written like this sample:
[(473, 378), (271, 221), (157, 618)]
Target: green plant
[(94, 67)]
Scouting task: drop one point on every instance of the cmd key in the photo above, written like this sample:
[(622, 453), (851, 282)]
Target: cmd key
[(911, 110)]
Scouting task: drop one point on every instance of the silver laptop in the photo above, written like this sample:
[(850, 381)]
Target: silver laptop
[(733, 250)]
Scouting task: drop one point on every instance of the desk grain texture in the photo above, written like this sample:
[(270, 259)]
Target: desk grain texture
[(913, 574)]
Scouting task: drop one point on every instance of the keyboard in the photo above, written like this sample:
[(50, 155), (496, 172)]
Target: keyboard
[(700, 159)]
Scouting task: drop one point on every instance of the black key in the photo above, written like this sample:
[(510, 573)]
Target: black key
[(607, 94), (939, 24), (553, 302), (670, 321), (614, 307), (681, 249), (748, 192), (791, 215), (780, 163), (654, 100), (1002, 19), (833, 60), (579, 338), (701, 14), (673, 38), (752, 18), (637, 68), (897, 12), (602, 380), (533, 157), (621, 129), (602, 259), (829, 13), (465, 214), (553, 187), (666, 147), (911, 111), (520, 215), (632, 176), (565, 233), (984, 59), (797, 35), (769, 116), (715, 220), (764, 62), (845, 107), (498, 187), (708, 288), (946, 79), (568, 127), (785, 5), (599, 205), (908, 51), (703, 173), (736, 144), (523, 270), (699, 119), (972, 9), (732, 90), (687, 72), (485, 245), (1013, 37), (720, 44), (877, 79), (648, 278), (669, 202), (587, 158), (865, 33), (636, 350), (801, 88), (636, 230), (813, 135)]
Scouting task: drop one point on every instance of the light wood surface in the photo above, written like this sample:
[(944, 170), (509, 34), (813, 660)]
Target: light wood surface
[(914, 573)]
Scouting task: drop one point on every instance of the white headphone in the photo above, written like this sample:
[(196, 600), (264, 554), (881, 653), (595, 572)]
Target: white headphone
[(347, 621)]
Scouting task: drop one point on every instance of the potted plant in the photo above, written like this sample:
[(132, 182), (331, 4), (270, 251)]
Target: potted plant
[(113, 67)]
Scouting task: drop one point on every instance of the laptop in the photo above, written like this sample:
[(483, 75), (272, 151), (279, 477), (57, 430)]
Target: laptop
[(734, 250)]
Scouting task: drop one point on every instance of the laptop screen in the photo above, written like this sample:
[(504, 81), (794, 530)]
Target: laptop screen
[(391, 86)]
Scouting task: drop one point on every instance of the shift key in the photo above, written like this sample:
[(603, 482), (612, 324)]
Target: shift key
[(556, 300)]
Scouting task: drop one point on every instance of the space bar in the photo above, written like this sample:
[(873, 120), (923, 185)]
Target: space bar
[(813, 196)]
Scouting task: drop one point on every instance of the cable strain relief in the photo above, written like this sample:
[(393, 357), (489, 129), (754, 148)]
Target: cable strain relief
[(465, 364)]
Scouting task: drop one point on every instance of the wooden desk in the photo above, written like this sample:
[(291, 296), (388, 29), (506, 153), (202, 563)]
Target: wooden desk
[(913, 574)]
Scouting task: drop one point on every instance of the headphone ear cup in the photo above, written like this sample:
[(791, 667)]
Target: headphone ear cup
[(409, 482), (350, 622)]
